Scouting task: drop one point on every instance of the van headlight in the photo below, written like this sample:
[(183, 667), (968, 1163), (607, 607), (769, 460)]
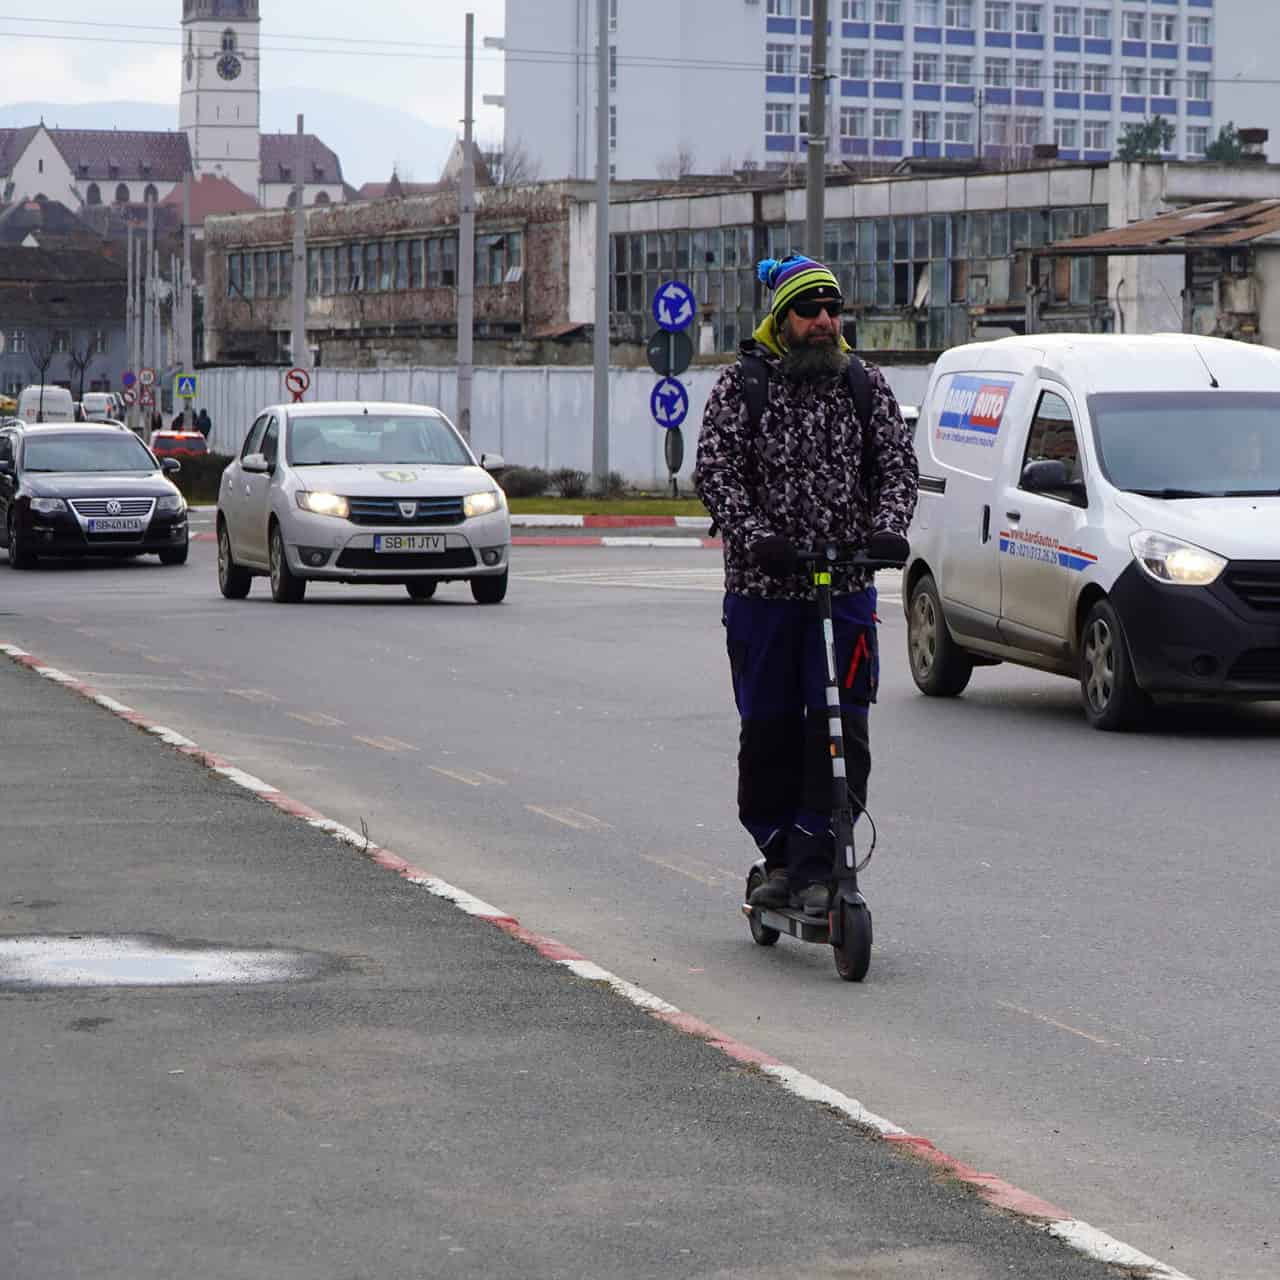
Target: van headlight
[(1172, 561), (48, 506), (480, 504), (324, 504)]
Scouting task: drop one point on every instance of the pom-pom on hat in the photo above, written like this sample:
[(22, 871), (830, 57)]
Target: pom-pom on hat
[(794, 278)]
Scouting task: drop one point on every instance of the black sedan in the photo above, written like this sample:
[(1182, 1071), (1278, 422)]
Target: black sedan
[(87, 491)]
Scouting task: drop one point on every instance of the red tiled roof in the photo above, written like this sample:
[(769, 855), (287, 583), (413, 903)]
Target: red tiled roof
[(278, 153), (211, 195)]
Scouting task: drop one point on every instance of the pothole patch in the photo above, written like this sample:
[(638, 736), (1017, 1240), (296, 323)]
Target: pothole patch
[(47, 961)]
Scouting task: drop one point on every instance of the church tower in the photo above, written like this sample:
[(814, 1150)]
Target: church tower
[(220, 109)]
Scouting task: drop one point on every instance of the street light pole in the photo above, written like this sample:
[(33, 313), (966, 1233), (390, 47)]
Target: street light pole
[(467, 241), (600, 349), (301, 352), (815, 214)]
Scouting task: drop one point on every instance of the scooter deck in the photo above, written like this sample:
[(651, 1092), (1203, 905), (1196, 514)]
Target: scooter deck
[(796, 924)]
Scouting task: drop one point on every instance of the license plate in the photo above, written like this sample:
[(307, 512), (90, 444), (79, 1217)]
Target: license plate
[(116, 524), (428, 542)]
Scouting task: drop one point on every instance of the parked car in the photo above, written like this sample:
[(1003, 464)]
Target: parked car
[(87, 490), (173, 443), (361, 492), (1103, 507)]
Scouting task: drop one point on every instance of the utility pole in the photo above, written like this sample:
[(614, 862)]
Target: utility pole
[(600, 349), (148, 321), (186, 348), (130, 305), (815, 211), (301, 352), (467, 242)]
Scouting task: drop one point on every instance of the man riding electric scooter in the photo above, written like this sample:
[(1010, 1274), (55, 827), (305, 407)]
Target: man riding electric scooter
[(802, 446)]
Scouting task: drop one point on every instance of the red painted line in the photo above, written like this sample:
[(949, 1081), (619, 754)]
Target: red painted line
[(732, 1048), (994, 1190), (543, 945), (628, 522), (293, 807), (541, 541)]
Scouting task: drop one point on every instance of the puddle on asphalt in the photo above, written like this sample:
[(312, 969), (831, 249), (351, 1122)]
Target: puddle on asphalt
[(143, 960)]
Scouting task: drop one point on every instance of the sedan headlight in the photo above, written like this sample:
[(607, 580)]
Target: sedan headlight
[(171, 502), (48, 506), (1172, 561), (480, 504), (324, 504)]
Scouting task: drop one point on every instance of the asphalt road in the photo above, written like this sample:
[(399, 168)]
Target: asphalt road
[(1075, 976)]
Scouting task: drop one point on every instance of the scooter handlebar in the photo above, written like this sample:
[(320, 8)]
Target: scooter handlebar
[(846, 556)]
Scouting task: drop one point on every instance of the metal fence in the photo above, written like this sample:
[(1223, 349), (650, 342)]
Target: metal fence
[(534, 417)]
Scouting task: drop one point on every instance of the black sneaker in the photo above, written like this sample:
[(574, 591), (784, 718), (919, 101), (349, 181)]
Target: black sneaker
[(772, 891), (814, 899)]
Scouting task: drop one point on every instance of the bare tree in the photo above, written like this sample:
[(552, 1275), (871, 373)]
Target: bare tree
[(81, 358), (678, 164), (510, 165), (41, 356)]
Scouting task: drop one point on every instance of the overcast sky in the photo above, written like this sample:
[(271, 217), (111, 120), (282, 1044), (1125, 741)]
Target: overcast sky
[(95, 51)]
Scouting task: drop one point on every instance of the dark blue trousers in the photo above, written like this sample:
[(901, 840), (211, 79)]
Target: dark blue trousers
[(778, 660)]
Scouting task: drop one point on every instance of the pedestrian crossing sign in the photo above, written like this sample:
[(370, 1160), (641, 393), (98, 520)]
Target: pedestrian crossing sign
[(186, 388)]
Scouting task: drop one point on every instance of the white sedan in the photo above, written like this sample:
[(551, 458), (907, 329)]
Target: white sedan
[(361, 493)]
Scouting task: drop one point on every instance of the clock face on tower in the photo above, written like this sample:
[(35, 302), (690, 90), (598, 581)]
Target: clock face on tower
[(228, 66)]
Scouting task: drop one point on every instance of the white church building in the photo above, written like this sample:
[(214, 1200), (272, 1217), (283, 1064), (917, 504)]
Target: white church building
[(219, 134)]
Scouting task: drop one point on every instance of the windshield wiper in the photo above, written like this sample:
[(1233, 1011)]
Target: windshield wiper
[(1252, 493), (1173, 493)]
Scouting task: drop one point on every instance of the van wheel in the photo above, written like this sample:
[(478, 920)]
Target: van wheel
[(939, 666), (1112, 697)]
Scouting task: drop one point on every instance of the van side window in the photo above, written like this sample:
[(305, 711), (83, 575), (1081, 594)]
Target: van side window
[(6, 447), (1053, 436)]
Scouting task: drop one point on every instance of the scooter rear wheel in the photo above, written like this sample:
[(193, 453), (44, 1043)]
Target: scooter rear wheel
[(761, 934), (853, 955)]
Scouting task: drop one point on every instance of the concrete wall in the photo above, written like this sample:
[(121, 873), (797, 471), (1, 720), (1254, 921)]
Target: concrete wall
[(533, 417)]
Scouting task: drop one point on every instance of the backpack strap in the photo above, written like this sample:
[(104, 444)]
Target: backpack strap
[(755, 387), (860, 390)]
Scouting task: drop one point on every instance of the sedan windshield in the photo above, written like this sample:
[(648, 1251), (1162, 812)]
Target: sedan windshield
[(385, 439), (85, 451), (1209, 444)]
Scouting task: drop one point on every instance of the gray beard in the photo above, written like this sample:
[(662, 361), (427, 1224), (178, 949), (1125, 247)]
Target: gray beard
[(814, 362)]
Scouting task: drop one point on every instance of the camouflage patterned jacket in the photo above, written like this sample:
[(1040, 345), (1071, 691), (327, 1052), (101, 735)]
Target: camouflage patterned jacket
[(802, 472)]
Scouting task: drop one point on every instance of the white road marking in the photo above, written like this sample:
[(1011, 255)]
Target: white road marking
[(571, 818), (316, 718), (1053, 1022), (702, 873), (471, 777), (385, 744), (253, 695)]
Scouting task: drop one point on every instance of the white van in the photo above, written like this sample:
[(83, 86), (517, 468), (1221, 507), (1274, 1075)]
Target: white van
[(98, 406), (1103, 507), (46, 404)]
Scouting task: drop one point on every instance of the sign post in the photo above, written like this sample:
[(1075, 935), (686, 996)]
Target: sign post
[(670, 352)]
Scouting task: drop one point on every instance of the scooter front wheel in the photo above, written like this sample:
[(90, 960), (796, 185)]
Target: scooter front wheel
[(853, 955), (762, 935)]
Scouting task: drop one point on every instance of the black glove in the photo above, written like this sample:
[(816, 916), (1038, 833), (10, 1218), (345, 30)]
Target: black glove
[(892, 547), (775, 555)]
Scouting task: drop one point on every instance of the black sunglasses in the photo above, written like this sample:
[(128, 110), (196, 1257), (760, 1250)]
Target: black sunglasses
[(809, 310)]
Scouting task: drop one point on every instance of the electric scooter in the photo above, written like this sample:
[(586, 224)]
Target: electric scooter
[(846, 927)]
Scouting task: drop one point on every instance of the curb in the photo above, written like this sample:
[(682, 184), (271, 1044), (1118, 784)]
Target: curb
[(1040, 1214), (554, 521)]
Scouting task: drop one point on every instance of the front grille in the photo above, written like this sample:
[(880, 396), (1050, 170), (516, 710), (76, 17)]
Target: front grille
[(96, 508), (454, 558), (1257, 666), (1256, 582), (386, 511)]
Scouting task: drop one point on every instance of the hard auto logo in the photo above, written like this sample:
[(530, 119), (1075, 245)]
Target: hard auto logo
[(408, 509), (113, 507)]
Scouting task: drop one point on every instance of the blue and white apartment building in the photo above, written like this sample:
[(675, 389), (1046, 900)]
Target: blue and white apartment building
[(713, 85)]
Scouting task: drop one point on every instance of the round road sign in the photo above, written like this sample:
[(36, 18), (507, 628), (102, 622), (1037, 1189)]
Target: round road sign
[(669, 353), (130, 396), (147, 377)]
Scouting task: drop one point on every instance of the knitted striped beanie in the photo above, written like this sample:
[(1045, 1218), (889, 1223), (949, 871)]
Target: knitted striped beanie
[(796, 277)]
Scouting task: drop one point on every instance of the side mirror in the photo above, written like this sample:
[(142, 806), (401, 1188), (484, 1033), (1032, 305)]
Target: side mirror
[(170, 465), (493, 461), (1049, 475), (256, 464)]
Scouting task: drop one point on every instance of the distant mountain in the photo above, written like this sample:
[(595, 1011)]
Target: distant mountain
[(371, 140)]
